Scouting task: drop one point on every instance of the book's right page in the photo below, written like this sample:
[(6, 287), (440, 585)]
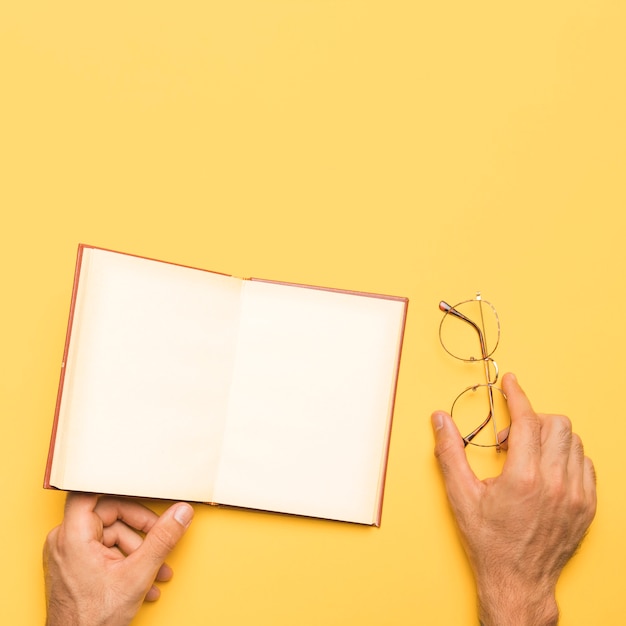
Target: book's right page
[(311, 402)]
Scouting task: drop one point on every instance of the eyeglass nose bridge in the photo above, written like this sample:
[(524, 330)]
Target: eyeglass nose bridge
[(492, 372)]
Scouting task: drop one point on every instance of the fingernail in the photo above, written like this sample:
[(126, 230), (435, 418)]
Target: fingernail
[(183, 514), (437, 420)]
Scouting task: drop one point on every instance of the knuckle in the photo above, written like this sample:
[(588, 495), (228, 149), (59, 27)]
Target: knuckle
[(54, 547), (558, 433), (162, 541), (441, 448), (578, 502), (557, 486), (51, 537), (563, 425), (528, 481), (563, 422)]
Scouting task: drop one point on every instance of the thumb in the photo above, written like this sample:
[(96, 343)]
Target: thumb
[(161, 540), (450, 452)]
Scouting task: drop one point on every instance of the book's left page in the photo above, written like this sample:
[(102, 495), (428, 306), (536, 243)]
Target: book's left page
[(149, 357)]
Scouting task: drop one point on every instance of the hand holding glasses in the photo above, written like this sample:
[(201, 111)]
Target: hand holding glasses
[(470, 332)]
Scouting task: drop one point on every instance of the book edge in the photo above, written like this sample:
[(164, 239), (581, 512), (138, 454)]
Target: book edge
[(351, 292), (394, 392)]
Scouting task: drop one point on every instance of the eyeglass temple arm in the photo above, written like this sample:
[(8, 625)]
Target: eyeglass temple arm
[(446, 308), (468, 439)]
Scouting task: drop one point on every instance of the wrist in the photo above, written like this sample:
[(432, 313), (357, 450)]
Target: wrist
[(508, 604), (58, 614)]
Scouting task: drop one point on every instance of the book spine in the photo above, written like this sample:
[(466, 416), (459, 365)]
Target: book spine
[(55, 423)]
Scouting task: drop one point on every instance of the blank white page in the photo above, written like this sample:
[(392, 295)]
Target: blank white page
[(147, 378), (311, 402)]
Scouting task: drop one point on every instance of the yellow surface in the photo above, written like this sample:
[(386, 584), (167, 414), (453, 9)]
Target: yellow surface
[(420, 149)]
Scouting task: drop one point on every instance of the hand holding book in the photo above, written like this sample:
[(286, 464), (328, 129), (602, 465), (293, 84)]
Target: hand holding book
[(95, 553)]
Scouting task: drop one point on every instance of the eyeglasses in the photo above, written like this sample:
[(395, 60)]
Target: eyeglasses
[(470, 332)]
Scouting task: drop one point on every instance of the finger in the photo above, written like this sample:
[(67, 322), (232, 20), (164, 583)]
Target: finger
[(147, 560), (524, 442), (78, 517), (119, 534), (589, 481), (558, 448), (450, 452), (132, 513), (503, 438), (165, 573), (154, 593), (576, 458), (581, 466)]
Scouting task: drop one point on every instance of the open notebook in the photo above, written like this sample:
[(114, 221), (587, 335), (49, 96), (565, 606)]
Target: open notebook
[(180, 383)]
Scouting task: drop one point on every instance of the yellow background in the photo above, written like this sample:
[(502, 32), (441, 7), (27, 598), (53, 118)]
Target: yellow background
[(420, 149)]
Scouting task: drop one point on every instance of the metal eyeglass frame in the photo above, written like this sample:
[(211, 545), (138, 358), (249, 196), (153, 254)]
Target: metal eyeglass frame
[(487, 363)]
